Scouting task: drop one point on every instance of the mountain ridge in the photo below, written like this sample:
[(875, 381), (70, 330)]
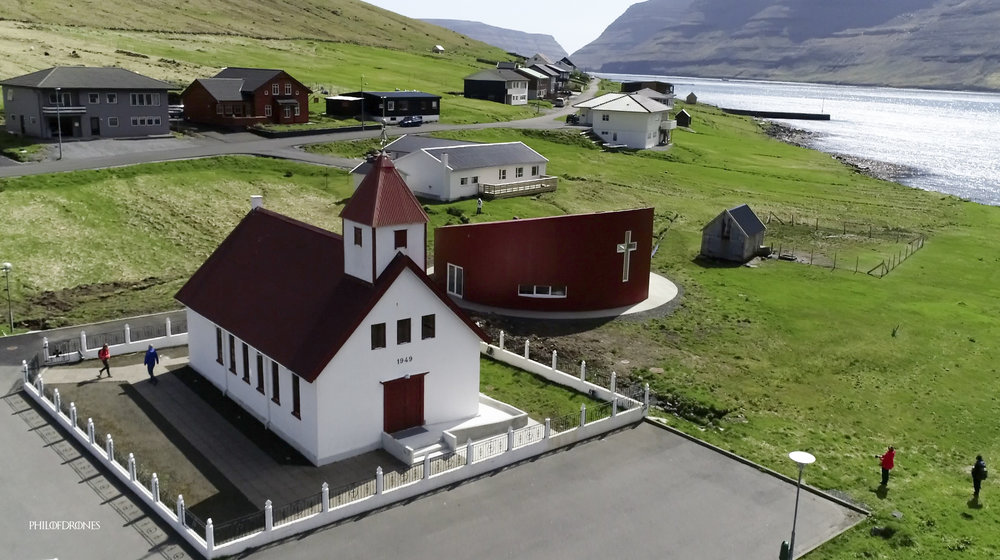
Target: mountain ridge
[(510, 40)]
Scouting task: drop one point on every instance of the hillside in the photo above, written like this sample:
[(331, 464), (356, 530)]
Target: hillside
[(919, 43), (510, 40)]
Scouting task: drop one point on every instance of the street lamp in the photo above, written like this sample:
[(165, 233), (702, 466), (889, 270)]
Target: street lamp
[(59, 118), (802, 459), (362, 102), (6, 268)]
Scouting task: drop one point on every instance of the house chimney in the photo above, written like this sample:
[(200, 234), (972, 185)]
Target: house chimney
[(444, 159), (256, 201)]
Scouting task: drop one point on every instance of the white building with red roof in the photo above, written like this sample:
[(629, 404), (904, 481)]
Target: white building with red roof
[(334, 342)]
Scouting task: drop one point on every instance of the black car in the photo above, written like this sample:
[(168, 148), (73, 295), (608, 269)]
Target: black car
[(413, 120)]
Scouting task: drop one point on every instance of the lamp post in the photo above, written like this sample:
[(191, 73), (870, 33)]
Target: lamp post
[(362, 102), (6, 268), (59, 118), (384, 139), (802, 459)]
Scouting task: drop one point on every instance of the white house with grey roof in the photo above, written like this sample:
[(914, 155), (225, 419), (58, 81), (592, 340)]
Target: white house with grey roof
[(83, 102), (473, 170), (628, 120), (405, 144)]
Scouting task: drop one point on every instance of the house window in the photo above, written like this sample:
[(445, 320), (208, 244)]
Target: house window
[(275, 89), (218, 109), (475, 179), (260, 374), (519, 172), (534, 170), (403, 331), (399, 238), (288, 112), (113, 121), (112, 98), (605, 117), (267, 110), (378, 336), (275, 384), (218, 346), (296, 412), (502, 174), (538, 291), (10, 94), (434, 104), (232, 354), (297, 111), (288, 88), (94, 98), (144, 99), (357, 236), (392, 106), (246, 363), (463, 181), (456, 280), (427, 327)]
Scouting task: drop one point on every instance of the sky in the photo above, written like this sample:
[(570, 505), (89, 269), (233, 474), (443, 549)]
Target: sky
[(573, 24)]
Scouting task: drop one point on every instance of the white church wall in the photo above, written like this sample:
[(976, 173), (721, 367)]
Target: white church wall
[(416, 245), (358, 259), (202, 350)]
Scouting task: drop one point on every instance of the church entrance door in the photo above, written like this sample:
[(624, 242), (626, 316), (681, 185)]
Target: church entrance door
[(403, 400)]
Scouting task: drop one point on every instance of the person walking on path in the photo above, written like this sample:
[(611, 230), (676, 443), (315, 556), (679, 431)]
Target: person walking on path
[(978, 475), (888, 461), (479, 206), (152, 358), (104, 354)]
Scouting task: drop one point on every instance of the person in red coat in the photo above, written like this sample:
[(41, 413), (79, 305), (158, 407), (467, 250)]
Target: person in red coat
[(888, 461), (104, 354)]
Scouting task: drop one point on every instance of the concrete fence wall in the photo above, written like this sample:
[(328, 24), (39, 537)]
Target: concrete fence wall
[(131, 345)]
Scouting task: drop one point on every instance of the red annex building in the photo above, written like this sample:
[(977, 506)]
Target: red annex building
[(241, 97), (580, 262)]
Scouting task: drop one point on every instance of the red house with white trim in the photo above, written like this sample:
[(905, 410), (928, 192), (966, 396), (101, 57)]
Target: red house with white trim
[(240, 97), (334, 342), (579, 262)]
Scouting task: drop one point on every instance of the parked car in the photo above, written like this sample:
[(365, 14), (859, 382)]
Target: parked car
[(559, 102), (412, 120)]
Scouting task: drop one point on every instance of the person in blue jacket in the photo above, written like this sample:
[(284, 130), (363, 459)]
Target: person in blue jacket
[(152, 358)]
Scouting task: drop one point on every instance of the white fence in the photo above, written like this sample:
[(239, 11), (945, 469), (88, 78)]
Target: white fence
[(469, 461), (132, 342)]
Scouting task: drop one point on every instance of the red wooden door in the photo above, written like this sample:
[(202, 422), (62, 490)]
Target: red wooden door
[(403, 403)]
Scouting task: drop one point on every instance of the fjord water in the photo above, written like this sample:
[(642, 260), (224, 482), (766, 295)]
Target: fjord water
[(950, 140)]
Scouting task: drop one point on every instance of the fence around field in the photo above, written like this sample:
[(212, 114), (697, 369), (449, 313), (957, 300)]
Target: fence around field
[(125, 340), (271, 524)]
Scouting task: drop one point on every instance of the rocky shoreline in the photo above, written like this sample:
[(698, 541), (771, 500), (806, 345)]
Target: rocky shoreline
[(870, 167)]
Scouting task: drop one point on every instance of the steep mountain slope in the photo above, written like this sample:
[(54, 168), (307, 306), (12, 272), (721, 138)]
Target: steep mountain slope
[(925, 43), (509, 40)]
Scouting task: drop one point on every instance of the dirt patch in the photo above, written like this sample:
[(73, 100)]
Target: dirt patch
[(47, 307)]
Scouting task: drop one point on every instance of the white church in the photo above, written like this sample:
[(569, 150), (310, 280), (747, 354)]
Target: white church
[(334, 340)]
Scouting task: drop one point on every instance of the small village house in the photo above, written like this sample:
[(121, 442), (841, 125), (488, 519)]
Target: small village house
[(499, 85), (691, 99), (82, 102), (683, 118), (666, 88), (627, 119), (734, 235), (538, 83), (400, 147), (241, 97), (553, 76), (334, 342)]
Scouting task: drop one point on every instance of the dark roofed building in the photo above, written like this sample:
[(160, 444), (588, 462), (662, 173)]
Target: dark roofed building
[(502, 86), (241, 97), (734, 235)]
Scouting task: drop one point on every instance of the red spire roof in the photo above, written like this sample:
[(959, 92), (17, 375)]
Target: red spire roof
[(383, 199)]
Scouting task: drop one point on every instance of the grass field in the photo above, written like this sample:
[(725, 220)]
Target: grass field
[(785, 356)]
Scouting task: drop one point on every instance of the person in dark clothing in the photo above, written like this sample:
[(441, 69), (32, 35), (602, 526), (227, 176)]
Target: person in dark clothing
[(151, 359), (104, 354), (978, 475), (888, 462)]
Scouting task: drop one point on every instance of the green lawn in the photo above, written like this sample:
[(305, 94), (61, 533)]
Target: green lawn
[(531, 393)]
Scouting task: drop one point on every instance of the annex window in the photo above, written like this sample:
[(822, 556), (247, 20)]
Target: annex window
[(246, 363), (112, 98), (605, 117), (427, 327), (288, 88), (399, 239), (456, 280), (502, 174), (267, 110), (534, 170), (275, 89), (378, 336), (519, 172), (357, 236), (540, 291), (296, 411), (113, 121), (463, 181), (475, 179), (94, 98), (275, 383), (219, 354), (232, 354), (260, 374), (403, 331)]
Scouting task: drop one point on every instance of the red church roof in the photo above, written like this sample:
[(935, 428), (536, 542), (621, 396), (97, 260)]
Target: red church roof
[(383, 199), (279, 285)]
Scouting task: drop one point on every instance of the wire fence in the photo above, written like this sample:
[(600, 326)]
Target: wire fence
[(240, 527), (298, 509), (352, 492)]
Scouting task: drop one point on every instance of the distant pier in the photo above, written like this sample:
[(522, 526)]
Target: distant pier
[(778, 114)]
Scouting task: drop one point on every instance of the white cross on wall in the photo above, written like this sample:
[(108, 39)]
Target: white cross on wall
[(627, 248)]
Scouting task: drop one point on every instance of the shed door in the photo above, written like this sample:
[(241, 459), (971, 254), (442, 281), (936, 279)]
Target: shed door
[(403, 402)]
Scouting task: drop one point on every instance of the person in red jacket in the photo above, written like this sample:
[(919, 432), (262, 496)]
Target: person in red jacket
[(888, 461), (104, 354)]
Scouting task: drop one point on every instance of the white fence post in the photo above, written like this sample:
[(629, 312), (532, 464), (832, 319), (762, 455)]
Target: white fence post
[(614, 395), (24, 370), (583, 414), (56, 400), (72, 413), (527, 343), (326, 494), (90, 431), (268, 516), (501, 340), (168, 328), (154, 488), (131, 467), (427, 466), (583, 370), (40, 385), (209, 535), (45, 348), (548, 428), (510, 438), (645, 399), (468, 451), (379, 481), (554, 354), (180, 510), (128, 334), (109, 446), (83, 345)]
